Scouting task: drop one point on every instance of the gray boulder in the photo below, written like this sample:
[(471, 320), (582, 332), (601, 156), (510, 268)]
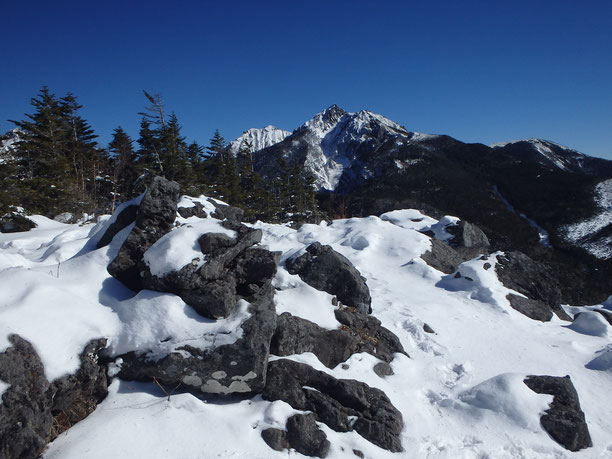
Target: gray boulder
[(196, 211), (341, 404), (469, 240), (25, 411), (564, 420), (325, 269), (442, 257), (360, 333), (154, 219), (302, 434), (33, 411), (533, 279)]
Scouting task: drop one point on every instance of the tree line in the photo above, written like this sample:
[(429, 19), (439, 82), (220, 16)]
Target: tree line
[(58, 166)]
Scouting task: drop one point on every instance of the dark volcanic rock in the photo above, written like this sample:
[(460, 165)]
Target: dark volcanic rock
[(196, 211), (76, 396), (302, 434), (33, 411), (442, 257), (533, 279), (14, 223), (25, 412), (360, 333), (154, 218), (239, 367), (468, 239), (342, 404), (533, 309), (211, 289), (305, 436), (276, 439), (225, 212), (327, 270), (564, 420), (125, 217)]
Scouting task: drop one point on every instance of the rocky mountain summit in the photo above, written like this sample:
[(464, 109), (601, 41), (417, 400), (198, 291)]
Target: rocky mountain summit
[(307, 330)]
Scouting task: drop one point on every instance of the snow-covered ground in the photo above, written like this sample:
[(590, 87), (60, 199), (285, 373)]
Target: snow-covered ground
[(460, 392)]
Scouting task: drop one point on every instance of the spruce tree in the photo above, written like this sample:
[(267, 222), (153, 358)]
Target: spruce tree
[(123, 159)]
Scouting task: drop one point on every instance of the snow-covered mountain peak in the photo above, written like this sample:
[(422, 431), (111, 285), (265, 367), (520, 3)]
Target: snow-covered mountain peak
[(259, 139), (9, 140), (323, 122)]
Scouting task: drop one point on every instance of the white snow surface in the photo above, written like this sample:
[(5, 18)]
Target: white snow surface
[(3, 388), (460, 393), (258, 138)]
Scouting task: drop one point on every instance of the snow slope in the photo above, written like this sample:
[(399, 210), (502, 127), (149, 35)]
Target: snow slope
[(460, 392), (581, 233)]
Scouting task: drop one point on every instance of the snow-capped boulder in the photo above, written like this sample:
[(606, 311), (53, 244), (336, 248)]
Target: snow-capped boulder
[(239, 367), (302, 434), (154, 219), (533, 279), (564, 420), (327, 270), (359, 333), (341, 404)]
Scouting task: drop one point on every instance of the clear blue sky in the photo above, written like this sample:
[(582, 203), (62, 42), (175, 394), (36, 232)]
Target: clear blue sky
[(483, 71)]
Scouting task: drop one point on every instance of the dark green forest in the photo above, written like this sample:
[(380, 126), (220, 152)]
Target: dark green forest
[(58, 166)]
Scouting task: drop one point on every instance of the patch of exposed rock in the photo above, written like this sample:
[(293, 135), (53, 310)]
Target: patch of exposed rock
[(359, 333), (124, 218), (533, 279), (341, 404), (325, 269), (564, 420), (33, 411), (468, 241), (302, 434)]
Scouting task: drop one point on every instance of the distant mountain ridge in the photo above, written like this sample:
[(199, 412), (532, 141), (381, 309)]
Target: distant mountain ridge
[(364, 163)]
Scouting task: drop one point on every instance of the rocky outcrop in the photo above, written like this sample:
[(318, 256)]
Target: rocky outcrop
[(154, 218), (564, 420), (197, 210), (75, 396), (359, 333), (211, 289), (302, 434), (25, 411), (325, 269), (239, 367), (33, 411), (533, 279), (15, 223), (341, 404), (442, 257), (124, 218), (468, 240)]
